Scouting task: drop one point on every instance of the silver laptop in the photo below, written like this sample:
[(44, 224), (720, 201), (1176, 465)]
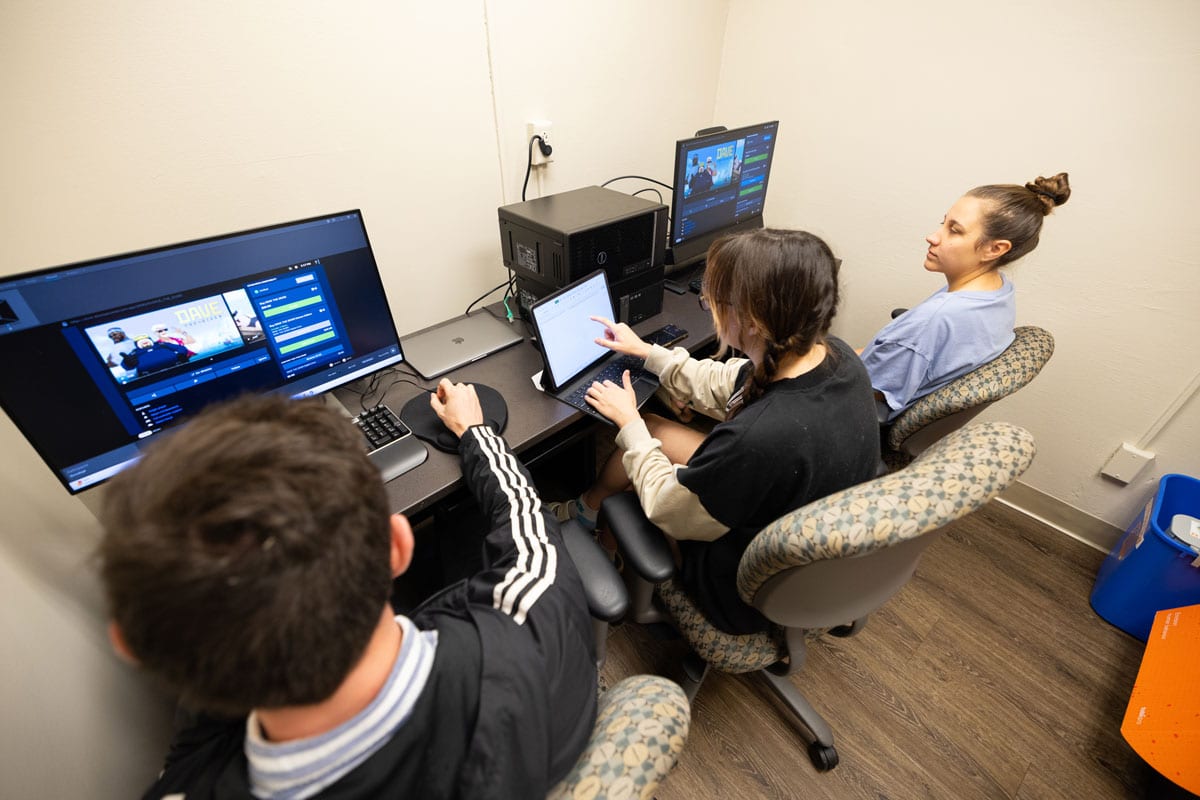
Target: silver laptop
[(571, 358), (457, 342)]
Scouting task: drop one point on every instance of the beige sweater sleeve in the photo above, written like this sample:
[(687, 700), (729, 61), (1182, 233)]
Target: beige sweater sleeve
[(705, 384), (667, 502)]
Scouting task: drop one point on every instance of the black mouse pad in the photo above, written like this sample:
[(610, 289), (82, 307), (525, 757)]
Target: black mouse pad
[(418, 415)]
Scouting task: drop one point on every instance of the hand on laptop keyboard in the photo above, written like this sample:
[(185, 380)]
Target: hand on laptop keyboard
[(609, 398)]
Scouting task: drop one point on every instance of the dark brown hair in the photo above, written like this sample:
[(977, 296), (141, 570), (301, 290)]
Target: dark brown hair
[(785, 283), (246, 558), (1015, 212)]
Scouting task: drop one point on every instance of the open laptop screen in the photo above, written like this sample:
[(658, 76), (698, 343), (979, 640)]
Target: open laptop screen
[(566, 330), (98, 357)]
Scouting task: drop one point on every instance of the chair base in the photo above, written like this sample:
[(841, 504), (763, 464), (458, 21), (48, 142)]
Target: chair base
[(695, 669), (804, 718), (643, 609), (600, 637)]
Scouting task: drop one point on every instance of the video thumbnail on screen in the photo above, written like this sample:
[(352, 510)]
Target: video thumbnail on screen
[(142, 345), (713, 167)]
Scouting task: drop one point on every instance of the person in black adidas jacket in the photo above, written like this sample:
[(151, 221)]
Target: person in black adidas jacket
[(248, 560)]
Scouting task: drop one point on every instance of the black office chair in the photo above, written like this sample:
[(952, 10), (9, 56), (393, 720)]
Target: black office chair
[(824, 567)]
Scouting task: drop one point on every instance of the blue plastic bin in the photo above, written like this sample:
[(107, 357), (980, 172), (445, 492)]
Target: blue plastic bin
[(1150, 569)]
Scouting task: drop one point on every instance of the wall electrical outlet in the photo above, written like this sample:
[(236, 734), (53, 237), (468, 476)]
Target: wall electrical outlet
[(1127, 463), (544, 129)]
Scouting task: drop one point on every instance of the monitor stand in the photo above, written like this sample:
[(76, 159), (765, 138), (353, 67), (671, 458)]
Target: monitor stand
[(393, 459), (676, 270)]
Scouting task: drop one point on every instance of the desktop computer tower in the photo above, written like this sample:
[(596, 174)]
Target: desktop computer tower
[(634, 299), (555, 240)]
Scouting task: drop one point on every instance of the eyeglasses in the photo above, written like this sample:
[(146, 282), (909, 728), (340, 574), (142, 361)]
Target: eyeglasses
[(707, 304)]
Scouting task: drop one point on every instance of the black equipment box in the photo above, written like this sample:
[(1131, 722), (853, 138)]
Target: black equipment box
[(552, 241)]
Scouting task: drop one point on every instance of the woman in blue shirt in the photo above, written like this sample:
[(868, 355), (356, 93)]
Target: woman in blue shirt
[(969, 321)]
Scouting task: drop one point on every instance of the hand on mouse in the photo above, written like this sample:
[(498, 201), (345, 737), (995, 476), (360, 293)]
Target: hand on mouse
[(457, 406)]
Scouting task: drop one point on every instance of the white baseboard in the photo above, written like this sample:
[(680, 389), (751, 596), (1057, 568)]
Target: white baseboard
[(1062, 517)]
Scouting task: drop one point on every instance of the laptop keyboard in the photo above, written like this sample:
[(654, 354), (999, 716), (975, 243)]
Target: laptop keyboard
[(380, 427), (611, 372)]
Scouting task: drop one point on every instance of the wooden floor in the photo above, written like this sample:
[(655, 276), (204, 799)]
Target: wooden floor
[(987, 676)]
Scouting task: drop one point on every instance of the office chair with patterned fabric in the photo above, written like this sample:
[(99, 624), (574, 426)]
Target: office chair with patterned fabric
[(641, 726), (826, 566), (642, 722), (958, 402)]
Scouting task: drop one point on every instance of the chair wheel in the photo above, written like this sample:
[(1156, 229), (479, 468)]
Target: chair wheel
[(823, 758)]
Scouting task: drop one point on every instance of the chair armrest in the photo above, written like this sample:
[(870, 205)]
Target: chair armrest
[(607, 597), (643, 545)]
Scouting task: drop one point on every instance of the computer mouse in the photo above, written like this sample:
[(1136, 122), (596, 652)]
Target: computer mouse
[(420, 417)]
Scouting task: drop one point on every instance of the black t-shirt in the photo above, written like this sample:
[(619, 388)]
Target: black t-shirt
[(803, 439)]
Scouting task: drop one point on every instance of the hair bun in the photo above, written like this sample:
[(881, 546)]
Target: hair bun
[(1051, 191)]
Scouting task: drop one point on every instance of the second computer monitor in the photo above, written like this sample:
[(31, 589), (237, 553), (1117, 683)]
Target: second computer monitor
[(98, 358), (720, 187)]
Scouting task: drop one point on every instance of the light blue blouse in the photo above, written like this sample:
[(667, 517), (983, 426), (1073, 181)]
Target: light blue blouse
[(943, 338)]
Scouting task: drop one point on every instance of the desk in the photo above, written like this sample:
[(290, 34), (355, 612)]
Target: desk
[(537, 424)]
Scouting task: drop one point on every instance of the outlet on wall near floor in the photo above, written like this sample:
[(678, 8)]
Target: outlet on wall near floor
[(1127, 463)]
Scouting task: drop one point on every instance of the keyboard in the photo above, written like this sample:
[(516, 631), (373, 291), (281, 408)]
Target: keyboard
[(611, 372), (636, 366), (380, 427)]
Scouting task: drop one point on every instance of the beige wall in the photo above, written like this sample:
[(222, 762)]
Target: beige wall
[(133, 124), (890, 111), (620, 81)]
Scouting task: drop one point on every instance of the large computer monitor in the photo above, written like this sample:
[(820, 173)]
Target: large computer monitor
[(720, 187), (98, 357)]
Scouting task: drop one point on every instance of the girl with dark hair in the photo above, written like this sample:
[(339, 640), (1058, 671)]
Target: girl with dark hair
[(969, 321), (798, 419)]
